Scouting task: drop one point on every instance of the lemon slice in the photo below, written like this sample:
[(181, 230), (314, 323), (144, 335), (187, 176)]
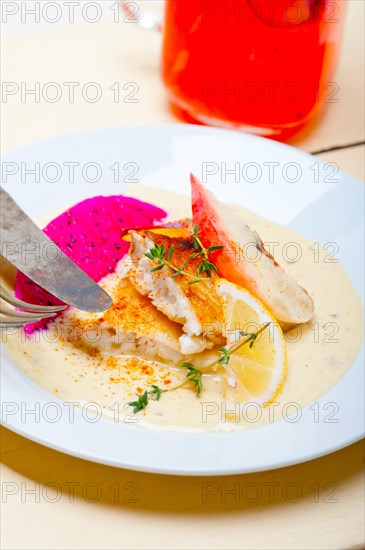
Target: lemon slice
[(254, 374)]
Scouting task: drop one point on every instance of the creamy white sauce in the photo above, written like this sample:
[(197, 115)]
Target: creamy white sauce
[(319, 352)]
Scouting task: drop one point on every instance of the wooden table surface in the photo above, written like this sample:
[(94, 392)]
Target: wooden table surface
[(54, 501)]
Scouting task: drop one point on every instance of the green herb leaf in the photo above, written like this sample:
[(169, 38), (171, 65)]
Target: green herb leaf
[(214, 247), (171, 252), (250, 337), (141, 403), (157, 268), (226, 356), (194, 281), (156, 391), (194, 375), (206, 264)]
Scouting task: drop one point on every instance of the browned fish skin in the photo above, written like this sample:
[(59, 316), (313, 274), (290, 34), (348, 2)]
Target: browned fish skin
[(138, 324), (202, 298), (133, 312)]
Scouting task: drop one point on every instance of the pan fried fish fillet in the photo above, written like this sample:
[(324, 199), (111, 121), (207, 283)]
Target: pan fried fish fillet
[(134, 325), (196, 306)]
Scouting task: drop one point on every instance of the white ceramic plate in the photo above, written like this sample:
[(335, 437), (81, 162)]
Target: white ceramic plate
[(298, 191)]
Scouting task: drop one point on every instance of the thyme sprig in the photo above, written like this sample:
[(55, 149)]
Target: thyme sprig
[(164, 256), (251, 337), (195, 375), (226, 356), (206, 265), (143, 398)]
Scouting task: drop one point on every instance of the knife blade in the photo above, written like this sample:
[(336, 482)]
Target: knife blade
[(26, 246)]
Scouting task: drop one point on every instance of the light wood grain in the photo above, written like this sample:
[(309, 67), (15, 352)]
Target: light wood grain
[(314, 505)]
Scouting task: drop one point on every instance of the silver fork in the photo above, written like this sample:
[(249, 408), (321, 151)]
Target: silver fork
[(11, 318)]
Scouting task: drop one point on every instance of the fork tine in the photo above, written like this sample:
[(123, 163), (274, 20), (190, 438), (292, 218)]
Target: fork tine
[(21, 315), (12, 319), (8, 297)]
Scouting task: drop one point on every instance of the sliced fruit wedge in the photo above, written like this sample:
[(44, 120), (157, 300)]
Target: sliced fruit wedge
[(244, 259), (254, 373)]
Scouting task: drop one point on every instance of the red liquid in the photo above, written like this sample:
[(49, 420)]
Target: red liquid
[(264, 66)]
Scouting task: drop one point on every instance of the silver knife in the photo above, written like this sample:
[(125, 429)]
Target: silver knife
[(60, 276)]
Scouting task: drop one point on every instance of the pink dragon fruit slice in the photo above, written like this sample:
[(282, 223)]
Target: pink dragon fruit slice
[(90, 233)]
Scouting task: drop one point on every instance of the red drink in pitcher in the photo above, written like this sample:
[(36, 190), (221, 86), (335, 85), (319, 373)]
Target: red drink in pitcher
[(263, 66)]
